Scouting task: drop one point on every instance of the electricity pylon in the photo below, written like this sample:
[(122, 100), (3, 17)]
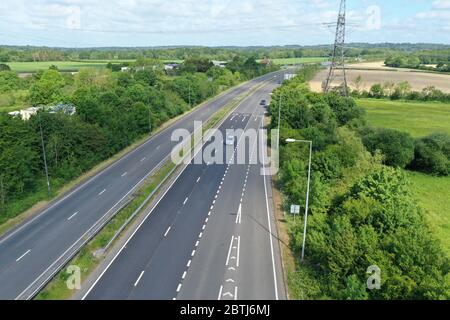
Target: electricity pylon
[(337, 69)]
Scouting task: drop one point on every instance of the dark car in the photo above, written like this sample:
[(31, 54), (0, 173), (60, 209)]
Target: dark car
[(263, 102)]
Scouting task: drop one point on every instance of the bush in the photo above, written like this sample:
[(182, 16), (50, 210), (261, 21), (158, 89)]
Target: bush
[(432, 155), (396, 146)]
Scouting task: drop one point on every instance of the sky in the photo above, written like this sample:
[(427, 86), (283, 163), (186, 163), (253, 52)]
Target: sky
[(129, 23)]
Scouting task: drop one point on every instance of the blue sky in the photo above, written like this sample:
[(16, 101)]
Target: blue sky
[(85, 23)]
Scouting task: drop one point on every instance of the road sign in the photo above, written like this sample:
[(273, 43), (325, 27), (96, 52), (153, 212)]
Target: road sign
[(295, 209)]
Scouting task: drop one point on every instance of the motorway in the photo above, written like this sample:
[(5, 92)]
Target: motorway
[(32, 253), (211, 236)]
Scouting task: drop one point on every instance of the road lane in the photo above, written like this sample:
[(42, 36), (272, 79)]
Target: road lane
[(49, 235), (169, 240)]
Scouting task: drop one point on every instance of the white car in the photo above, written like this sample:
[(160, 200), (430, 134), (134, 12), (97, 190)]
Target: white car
[(229, 141)]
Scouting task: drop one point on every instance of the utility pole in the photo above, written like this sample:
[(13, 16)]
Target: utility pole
[(49, 189), (149, 117), (337, 69), (190, 106), (307, 192)]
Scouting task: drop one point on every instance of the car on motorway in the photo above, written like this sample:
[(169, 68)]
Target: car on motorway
[(229, 141)]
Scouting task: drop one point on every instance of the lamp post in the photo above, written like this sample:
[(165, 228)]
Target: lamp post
[(307, 190), (49, 188)]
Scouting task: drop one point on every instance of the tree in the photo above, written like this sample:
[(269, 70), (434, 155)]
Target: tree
[(4, 67), (432, 154), (48, 89), (396, 146)]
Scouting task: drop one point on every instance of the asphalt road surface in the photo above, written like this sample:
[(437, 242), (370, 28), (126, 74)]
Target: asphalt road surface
[(212, 235), (30, 253)]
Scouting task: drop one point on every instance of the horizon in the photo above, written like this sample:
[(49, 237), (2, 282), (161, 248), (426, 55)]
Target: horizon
[(213, 23), (375, 44)]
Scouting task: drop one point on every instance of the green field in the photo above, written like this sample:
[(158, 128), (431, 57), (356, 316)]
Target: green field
[(432, 193), (24, 67), (291, 61), (417, 118)]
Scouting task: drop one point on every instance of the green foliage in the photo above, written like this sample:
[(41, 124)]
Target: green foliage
[(48, 89), (432, 155), (396, 146), (378, 224), (4, 67), (9, 81), (362, 213)]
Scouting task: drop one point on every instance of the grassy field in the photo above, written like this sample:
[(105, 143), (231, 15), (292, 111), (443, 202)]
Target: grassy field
[(290, 61), (417, 118), (62, 65), (433, 195)]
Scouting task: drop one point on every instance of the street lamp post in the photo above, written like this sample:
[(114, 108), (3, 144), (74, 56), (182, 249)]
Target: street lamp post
[(307, 190), (49, 188)]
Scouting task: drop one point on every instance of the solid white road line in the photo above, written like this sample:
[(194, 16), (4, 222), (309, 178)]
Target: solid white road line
[(70, 218), (20, 258), (167, 232), (104, 190), (139, 278), (269, 221)]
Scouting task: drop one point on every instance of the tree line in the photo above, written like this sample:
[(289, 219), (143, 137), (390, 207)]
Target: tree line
[(362, 213)]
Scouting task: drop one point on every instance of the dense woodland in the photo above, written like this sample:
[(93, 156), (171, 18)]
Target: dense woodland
[(433, 60), (362, 213), (10, 54), (113, 110)]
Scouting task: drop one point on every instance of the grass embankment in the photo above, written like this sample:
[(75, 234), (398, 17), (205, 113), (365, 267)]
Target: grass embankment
[(86, 259), (419, 119)]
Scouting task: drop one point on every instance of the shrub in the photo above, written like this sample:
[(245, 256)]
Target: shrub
[(397, 147), (432, 155)]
